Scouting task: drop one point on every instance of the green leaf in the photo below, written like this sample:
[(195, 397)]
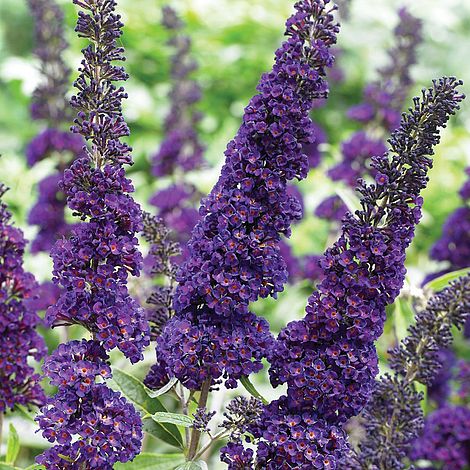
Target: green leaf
[(174, 418), (165, 431), (198, 465), (443, 281), (4, 466), (13, 445), (136, 392), (163, 390), (25, 413), (250, 388), (403, 316), (146, 461)]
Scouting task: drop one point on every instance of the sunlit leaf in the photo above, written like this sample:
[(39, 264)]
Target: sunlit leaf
[(146, 461)]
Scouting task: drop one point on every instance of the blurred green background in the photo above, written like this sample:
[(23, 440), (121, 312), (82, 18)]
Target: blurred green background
[(233, 42)]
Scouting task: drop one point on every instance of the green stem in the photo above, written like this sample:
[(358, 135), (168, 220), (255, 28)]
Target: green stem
[(1, 428), (195, 434)]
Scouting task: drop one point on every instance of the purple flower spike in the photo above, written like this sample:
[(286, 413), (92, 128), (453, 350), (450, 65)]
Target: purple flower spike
[(19, 385), (234, 250), (90, 425), (328, 359)]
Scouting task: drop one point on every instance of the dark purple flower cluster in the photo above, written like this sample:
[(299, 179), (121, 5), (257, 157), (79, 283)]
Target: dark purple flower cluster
[(175, 206), (93, 264), (19, 340), (91, 425), (196, 346), (49, 104), (303, 441), (328, 359), (380, 111), (49, 97), (393, 417), (445, 440), (439, 390), (234, 250)]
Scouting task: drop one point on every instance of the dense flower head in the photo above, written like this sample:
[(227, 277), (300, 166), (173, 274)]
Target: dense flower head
[(445, 440), (18, 319), (290, 439), (49, 104), (197, 346), (328, 359), (76, 365), (234, 250), (380, 112), (93, 264), (49, 97), (97, 431)]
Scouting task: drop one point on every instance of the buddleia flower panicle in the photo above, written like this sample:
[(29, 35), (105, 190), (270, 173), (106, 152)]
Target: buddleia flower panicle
[(93, 264), (393, 417), (19, 384), (50, 106), (328, 359), (380, 113), (234, 249), (90, 425)]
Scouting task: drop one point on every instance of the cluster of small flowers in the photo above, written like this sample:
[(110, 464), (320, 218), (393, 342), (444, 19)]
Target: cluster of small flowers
[(393, 417), (328, 359), (93, 426), (181, 150), (445, 440), (303, 441), (93, 264), (19, 385), (381, 110), (49, 104), (234, 250)]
